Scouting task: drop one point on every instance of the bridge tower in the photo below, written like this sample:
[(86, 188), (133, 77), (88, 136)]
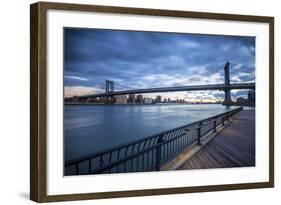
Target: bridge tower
[(227, 97), (109, 86)]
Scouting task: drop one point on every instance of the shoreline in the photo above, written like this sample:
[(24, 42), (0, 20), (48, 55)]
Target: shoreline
[(159, 104)]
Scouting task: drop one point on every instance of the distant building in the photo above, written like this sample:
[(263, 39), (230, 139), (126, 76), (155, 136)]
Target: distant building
[(250, 101), (112, 100), (147, 101), (158, 99), (89, 100), (132, 98), (121, 99), (242, 101), (75, 99), (102, 99), (251, 97), (182, 101), (139, 99)]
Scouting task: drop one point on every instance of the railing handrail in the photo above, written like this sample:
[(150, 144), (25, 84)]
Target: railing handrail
[(114, 148), (200, 126)]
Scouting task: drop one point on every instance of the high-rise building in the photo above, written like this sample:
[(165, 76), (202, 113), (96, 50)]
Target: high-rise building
[(75, 99), (139, 99), (251, 97), (147, 101), (158, 99), (181, 101), (132, 98), (241, 101), (121, 99), (102, 100)]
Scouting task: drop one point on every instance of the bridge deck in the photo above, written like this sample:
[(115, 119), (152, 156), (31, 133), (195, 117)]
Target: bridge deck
[(234, 146), (238, 86)]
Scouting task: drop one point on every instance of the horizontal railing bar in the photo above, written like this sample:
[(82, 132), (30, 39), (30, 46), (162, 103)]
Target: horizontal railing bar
[(113, 164), (203, 125), (115, 148), (200, 126)]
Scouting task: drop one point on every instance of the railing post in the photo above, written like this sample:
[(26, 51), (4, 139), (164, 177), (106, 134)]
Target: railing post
[(215, 125), (158, 152), (199, 134)]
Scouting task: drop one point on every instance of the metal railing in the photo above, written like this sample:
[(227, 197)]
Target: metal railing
[(149, 153)]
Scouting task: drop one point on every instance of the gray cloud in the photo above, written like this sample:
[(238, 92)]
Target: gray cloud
[(153, 59)]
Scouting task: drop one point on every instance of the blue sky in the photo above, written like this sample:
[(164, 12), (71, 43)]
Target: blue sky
[(138, 59)]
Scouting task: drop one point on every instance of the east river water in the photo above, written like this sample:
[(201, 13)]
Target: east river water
[(92, 128)]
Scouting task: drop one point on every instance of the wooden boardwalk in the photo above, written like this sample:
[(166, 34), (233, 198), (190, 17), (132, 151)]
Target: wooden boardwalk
[(234, 146)]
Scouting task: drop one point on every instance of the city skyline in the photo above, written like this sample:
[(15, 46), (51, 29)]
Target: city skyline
[(140, 99), (152, 59)]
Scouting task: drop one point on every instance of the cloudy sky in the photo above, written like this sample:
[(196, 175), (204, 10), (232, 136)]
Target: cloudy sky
[(134, 59)]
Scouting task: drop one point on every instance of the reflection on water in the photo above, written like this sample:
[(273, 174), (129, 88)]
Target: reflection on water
[(91, 128)]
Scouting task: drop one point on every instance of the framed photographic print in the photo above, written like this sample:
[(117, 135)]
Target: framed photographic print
[(134, 102)]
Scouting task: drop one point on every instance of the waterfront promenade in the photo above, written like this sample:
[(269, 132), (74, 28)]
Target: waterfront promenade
[(223, 140), (234, 146)]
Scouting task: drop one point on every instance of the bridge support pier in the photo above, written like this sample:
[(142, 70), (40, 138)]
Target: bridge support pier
[(227, 97)]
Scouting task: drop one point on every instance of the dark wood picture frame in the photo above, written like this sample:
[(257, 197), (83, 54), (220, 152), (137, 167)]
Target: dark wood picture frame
[(38, 95)]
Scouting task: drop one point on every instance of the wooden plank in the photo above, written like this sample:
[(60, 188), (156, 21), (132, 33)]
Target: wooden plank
[(232, 147)]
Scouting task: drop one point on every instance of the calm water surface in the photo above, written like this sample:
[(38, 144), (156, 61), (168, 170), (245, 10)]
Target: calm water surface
[(91, 128)]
